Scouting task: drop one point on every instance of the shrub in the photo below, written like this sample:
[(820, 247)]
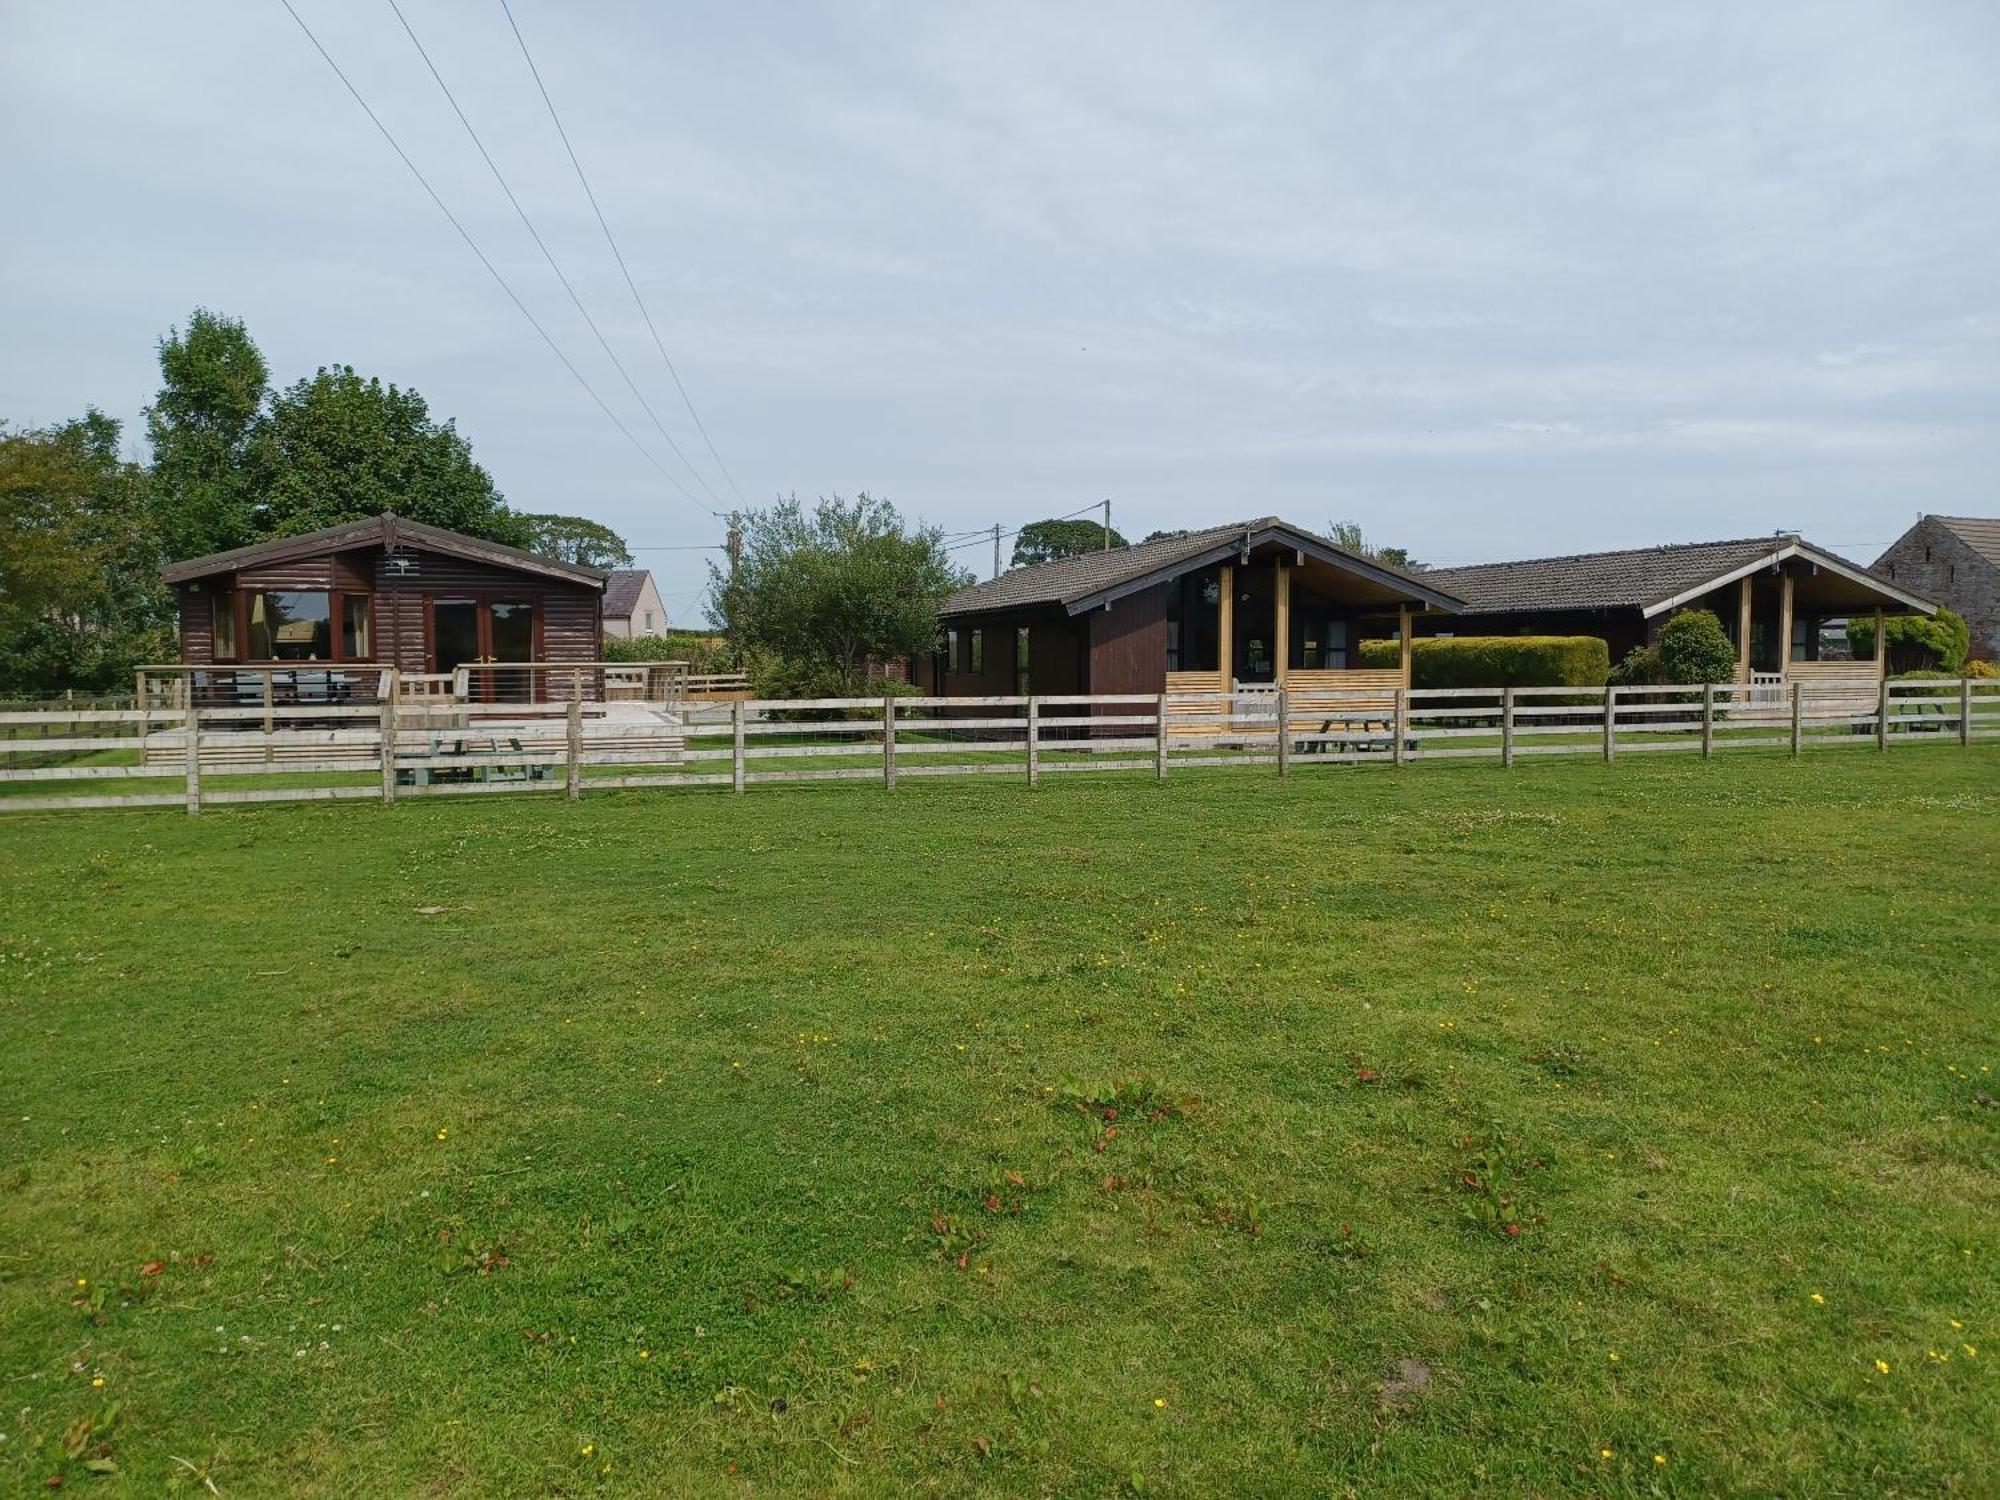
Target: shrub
[(1462, 661), (775, 677), (1694, 648), (703, 651), (1641, 667), (1981, 669), (1916, 642)]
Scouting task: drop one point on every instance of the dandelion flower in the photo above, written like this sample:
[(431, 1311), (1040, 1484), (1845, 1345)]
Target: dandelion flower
[(1818, 1300), (1881, 1367), (1660, 1458), (1604, 1453), (440, 1135), (97, 1382), (1159, 1401), (588, 1449), (83, 1281), (1614, 1356)]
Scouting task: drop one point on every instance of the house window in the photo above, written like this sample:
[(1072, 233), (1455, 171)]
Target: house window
[(356, 638), (1021, 677), (978, 652), (649, 622), (291, 625), (951, 650), (222, 608)]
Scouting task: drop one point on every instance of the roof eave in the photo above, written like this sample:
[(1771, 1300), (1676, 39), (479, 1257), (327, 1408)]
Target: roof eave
[(1777, 555)]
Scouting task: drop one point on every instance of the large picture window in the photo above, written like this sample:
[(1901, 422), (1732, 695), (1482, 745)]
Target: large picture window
[(290, 625)]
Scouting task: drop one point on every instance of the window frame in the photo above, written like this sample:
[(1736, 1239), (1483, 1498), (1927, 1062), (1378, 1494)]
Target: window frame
[(337, 598)]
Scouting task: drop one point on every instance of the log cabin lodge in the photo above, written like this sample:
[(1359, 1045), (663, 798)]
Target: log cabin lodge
[(1264, 602)]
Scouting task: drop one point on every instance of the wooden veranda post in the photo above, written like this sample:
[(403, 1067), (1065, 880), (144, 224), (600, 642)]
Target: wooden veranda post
[(1785, 625), (1881, 642), (1284, 592), (736, 745), (1034, 741), (193, 757), (1611, 723), (574, 739), (1708, 721), (1160, 739), (1743, 629), (1506, 726), (390, 680), (1403, 640), (889, 742), (1225, 625)]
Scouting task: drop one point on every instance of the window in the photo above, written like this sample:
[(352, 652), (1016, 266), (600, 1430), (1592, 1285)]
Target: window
[(356, 640), (978, 652), (291, 625), (951, 650), (1021, 675), (222, 606), (649, 622)]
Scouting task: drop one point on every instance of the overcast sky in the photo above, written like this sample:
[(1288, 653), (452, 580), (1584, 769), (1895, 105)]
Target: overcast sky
[(1493, 280)]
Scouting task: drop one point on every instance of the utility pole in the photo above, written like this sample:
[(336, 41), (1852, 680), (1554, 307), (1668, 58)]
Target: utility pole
[(735, 541), (1107, 525), (996, 549)]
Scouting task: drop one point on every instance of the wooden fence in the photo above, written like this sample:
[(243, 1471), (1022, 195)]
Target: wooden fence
[(419, 746)]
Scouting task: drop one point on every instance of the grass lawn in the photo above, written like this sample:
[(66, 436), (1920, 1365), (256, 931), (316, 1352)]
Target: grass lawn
[(1109, 1137)]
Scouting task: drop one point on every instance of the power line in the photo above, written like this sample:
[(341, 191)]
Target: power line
[(618, 255), (473, 246), (547, 255)]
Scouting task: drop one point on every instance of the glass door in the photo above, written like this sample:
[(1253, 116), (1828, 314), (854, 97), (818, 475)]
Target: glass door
[(454, 634), (511, 638)]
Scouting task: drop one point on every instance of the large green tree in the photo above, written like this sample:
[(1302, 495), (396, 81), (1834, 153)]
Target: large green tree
[(337, 447), (213, 382), (829, 589), (80, 598), (1045, 541), (1347, 536), (574, 539)]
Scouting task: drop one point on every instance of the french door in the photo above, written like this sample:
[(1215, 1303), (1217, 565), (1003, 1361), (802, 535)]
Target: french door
[(479, 629)]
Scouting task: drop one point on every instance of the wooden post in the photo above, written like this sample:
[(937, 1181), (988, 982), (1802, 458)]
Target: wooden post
[(1743, 629), (389, 737), (575, 736), (1881, 709), (889, 743), (268, 752), (1785, 625), (1284, 732), (193, 759), (1507, 727), (1403, 639), (1399, 724), (1881, 643), (1225, 626), (1965, 710), (1610, 724), (1796, 725), (1284, 592), (1708, 721), (1034, 741), (1160, 740), (736, 749)]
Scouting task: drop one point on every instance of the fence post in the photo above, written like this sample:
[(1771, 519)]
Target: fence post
[(1506, 726), (1034, 741), (1882, 714), (1796, 725), (1399, 723), (736, 748), (1610, 724), (1284, 735), (1965, 710), (889, 742), (389, 736), (573, 740), (269, 752), (1160, 739), (193, 758), (1708, 721)]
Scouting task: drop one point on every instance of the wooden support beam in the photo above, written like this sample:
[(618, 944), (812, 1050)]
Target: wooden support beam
[(1403, 639), (1225, 627), (1785, 623), (1743, 629), (1881, 642), (1284, 592)]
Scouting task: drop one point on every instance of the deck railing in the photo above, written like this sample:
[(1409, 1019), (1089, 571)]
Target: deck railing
[(410, 743)]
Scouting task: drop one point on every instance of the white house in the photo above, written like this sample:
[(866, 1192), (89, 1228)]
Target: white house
[(632, 605)]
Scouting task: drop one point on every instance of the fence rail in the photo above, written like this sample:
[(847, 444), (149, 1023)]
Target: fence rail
[(421, 745)]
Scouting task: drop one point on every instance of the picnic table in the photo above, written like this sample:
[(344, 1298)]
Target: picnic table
[(1353, 736), (444, 747)]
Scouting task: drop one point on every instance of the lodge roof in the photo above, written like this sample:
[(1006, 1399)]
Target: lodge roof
[(388, 531), (1649, 579), (1093, 578)]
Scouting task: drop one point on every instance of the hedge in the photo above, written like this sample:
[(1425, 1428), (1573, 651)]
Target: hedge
[(1465, 661)]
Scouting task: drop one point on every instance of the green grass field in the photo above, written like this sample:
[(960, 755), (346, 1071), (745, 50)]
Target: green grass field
[(1580, 1129)]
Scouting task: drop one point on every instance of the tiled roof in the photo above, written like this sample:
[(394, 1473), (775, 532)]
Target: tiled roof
[(1069, 579), (622, 588), (386, 530), (1981, 535), (1637, 577)]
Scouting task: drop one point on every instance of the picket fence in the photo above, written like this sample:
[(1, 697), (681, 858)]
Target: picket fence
[(417, 747)]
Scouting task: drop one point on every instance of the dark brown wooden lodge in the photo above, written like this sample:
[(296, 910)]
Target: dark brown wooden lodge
[(384, 592)]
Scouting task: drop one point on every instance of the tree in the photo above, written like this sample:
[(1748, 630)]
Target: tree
[(830, 590), (572, 539), (337, 448), (200, 425), (1045, 541), (1917, 643), (80, 599), (1694, 648), (1347, 536)]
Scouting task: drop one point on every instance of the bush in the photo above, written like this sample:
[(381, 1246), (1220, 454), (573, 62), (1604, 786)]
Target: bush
[(1642, 667), (1462, 661), (1937, 642), (702, 651), (774, 677), (1693, 648), (1981, 669)]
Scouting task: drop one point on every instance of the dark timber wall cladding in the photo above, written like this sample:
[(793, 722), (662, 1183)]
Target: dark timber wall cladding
[(1128, 644)]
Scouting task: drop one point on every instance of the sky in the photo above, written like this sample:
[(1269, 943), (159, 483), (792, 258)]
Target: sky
[(1491, 281)]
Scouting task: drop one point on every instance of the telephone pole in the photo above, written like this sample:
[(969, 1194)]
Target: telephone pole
[(996, 549), (1107, 525), (735, 541)]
